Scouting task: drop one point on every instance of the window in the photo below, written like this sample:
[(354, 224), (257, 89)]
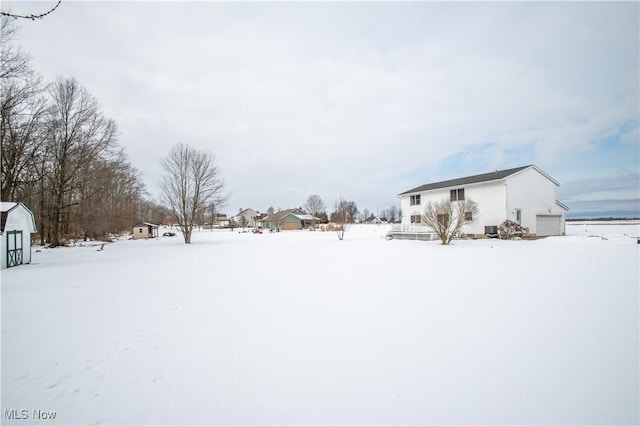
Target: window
[(519, 216), (457, 194), (416, 218), (468, 216), (414, 200), (443, 219)]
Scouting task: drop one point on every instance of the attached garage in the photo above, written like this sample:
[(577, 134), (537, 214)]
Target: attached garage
[(18, 223), (290, 226), (547, 225)]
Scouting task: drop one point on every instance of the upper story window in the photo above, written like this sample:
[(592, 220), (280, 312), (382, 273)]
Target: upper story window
[(457, 194), (414, 200)]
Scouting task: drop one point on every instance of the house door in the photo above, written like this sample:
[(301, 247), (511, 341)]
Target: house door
[(14, 248)]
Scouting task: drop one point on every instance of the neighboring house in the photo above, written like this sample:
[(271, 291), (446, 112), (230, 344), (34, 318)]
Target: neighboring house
[(145, 230), (220, 220), (17, 224), (525, 195), (291, 219), (248, 214), (259, 220), (375, 220)]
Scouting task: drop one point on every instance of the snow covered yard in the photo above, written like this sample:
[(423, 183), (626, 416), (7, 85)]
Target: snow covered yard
[(300, 328)]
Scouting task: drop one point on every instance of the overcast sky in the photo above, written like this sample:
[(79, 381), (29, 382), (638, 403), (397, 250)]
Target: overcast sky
[(365, 99)]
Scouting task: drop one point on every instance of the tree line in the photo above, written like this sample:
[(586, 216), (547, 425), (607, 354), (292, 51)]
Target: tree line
[(60, 154)]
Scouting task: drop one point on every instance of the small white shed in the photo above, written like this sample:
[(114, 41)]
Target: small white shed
[(18, 223), (144, 230)]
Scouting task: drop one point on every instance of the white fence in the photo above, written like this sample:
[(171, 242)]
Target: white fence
[(412, 232)]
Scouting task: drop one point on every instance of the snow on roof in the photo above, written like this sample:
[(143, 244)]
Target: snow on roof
[(145, 224), (25, 221), (5, 206), (305, 216)]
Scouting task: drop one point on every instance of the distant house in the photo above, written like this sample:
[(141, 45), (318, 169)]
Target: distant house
[(220, 220), (145, 230), (525, 195), (259, 220), (249, 216), (291, 219), (17, 223)]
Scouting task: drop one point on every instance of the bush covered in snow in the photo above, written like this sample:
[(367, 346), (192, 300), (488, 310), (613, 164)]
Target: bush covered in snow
[(510, 229)]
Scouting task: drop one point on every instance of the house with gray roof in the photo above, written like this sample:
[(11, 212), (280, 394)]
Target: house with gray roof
[(526, 195), (290, 219)]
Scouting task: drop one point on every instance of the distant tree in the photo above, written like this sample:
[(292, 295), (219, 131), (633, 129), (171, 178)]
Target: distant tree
[(77, 134), (270, 211), (352, 211), (392, 214), (447, 217), (364, 216), (243, 221), (23, 109), (232, 224), (314, 205), (323, 218), (340, 217), (191, 182)]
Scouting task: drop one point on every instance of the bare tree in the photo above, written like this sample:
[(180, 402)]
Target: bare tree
[(78, 134), (22, 111), (191, 182), (352, 211), (392, 214), (340, 216), (365, 216), (270, 211), (447, 217), (31, 16), (314, 205)]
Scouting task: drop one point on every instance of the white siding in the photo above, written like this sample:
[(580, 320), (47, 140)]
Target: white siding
[(490, 197), (530, 191), (18, 219), (533, 194)]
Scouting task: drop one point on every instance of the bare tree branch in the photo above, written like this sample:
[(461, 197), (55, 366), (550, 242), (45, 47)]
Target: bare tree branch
[(190, 184), (447, 217), (32, 16)]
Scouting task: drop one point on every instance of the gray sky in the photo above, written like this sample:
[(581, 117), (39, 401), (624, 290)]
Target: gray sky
[(365, 99)]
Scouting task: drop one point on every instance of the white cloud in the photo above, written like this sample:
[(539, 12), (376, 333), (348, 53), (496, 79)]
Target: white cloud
[(331, 98)]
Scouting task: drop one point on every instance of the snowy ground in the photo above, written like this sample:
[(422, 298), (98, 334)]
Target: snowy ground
[(300, 328)]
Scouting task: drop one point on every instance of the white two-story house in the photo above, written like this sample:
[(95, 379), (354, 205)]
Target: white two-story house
[(526, 195)]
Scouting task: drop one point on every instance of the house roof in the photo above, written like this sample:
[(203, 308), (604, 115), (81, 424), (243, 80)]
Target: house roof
[(146, 224), (304, 216), (278, 216), (6, 207), (485, 177), (251, 212)]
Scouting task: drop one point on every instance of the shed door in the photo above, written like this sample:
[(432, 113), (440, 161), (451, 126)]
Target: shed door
[(14, 248), (548, 225)]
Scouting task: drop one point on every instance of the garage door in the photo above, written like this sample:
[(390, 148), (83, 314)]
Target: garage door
[(288, 226), (548, 225)]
